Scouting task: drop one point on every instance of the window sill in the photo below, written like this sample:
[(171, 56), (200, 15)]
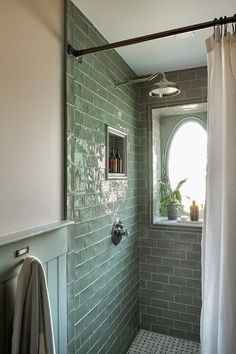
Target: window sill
[(164, 223)]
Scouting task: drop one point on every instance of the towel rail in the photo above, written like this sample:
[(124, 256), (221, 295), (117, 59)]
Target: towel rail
[(21, 252)]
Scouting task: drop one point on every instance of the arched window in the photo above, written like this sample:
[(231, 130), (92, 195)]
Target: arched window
[(186, 158)]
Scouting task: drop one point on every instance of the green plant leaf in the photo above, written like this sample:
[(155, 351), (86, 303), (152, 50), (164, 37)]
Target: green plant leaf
[(178, 195), (180, 184), (170, 197)]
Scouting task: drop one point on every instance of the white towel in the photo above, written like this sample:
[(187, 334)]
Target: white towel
[(32, 325)]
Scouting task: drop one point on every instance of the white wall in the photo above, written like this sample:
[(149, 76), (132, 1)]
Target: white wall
[(31, 113)]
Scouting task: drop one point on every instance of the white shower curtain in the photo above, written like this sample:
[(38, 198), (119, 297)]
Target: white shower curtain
[(218, 321)]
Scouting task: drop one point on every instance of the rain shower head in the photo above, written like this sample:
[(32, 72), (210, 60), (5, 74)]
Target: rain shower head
[(162, 88)]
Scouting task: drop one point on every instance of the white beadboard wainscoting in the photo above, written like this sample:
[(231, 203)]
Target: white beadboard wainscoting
[(49, 244)]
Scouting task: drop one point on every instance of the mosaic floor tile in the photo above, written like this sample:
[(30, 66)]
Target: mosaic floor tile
[(154, 343)]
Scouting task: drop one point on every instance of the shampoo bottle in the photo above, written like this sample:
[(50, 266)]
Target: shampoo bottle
[(119, 162), (113, 162)]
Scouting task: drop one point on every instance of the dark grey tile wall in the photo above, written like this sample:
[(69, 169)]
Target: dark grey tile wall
[(170, 267), (170, 282), (103, 298), (193, 86)]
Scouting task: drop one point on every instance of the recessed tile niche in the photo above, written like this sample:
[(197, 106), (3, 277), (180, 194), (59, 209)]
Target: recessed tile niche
[(116, 154)]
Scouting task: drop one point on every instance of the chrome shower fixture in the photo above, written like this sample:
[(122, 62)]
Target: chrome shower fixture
[(162, 88)]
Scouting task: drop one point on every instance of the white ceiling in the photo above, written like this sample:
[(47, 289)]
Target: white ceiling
[(123, 19)]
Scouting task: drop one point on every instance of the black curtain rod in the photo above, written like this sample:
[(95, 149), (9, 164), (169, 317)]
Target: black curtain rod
[(149, 37)]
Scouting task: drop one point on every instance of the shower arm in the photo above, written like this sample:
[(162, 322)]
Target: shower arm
[(144, 79)]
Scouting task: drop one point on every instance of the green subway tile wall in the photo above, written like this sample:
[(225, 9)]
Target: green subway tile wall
[(103, 298), (170, 260), (103, 279)]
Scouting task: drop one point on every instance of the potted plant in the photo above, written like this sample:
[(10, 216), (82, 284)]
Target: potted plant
[(170, 201)]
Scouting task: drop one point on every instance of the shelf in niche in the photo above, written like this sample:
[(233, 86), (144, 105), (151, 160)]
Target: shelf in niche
[(116, 154)]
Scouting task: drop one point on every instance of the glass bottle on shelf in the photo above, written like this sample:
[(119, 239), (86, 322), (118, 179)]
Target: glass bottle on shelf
[(194, 212), (201, 212), (119, 162), (112, 162)]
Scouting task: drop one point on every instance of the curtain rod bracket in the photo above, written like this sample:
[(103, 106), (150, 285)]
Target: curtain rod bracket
[(74, 52)]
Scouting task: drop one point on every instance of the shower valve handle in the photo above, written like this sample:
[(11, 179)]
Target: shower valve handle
[(118, 232)]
